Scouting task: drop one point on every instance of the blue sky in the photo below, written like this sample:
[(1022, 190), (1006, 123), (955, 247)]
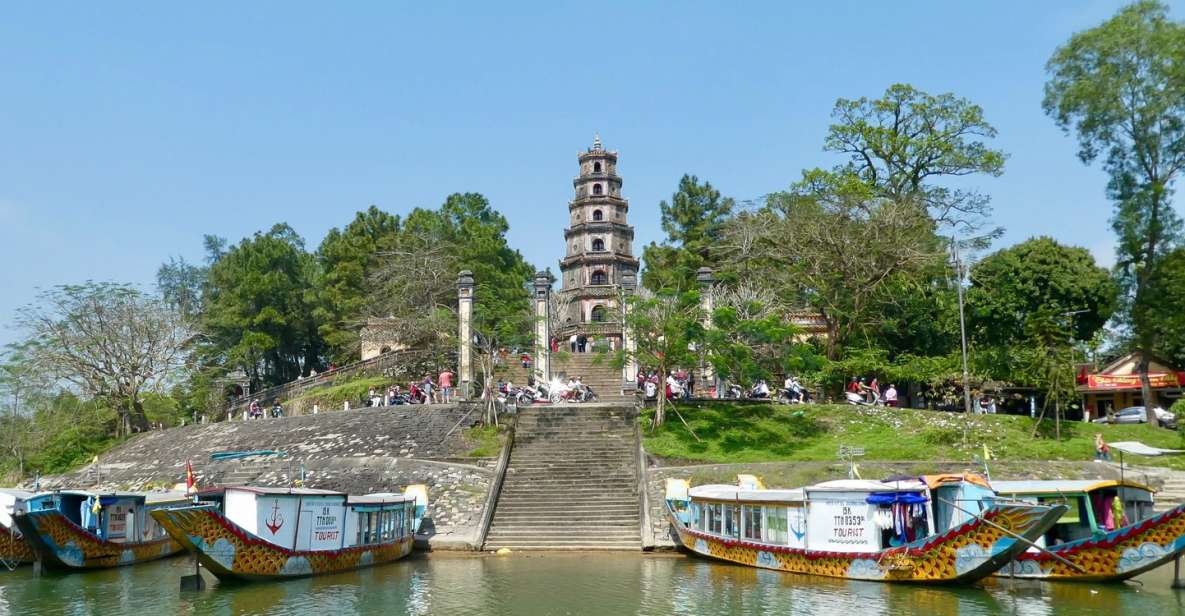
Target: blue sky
[(129, 131)]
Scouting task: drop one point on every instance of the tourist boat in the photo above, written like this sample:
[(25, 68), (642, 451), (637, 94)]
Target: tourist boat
[(75, 529), (1087, 543), (911, 530), (14, 550), (250, 533)]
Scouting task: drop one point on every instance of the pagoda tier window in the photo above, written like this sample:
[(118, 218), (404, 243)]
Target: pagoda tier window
[(597, 215), (596, 167), (598, 245), (598, 314), (597, 190), (599, 278)]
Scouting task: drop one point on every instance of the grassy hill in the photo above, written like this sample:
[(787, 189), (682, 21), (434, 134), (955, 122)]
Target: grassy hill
[(762, 432)]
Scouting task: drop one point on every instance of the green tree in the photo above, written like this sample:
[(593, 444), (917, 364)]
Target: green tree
[(23, 385), (666, 328), (415, 279), (1038, 280), (834, 243), (1166, 302), (113, 343), (259, 316), (347, 258), (751, 342), (1121, 87), (693, 221), (904, 142), (180, 284)]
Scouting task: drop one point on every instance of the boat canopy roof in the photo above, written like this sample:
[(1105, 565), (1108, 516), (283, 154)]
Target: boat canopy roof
[(864, 485), (723, 492), (16, 494), (1060, 486), (285, 491), (90, 493), (380, 498), (948, 478), (171, 496)]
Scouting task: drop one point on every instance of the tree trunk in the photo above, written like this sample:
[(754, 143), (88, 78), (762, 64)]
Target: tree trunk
[(660, 406), (1146, 392), (137, 420)]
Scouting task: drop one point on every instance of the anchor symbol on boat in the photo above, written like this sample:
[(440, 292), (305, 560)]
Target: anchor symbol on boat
[(276, 521), (799, 532)]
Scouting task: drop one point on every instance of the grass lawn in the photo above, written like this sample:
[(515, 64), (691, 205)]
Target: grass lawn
[(762, 432), (486, 441), (331, 398)]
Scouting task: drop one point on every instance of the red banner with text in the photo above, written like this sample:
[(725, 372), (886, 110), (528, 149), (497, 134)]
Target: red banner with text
[(1132, 381)]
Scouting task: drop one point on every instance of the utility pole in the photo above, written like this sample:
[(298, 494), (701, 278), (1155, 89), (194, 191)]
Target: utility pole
[(962, 327), (1081, 405)]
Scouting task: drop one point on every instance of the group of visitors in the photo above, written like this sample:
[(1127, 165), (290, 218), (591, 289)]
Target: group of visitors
[(871, 391), (255, 410), (579, 343), (678, 384), (423, 391)]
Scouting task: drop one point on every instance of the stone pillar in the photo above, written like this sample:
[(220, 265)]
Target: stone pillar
[(706, 279), (629, 372), (465, 334), (543, 281)]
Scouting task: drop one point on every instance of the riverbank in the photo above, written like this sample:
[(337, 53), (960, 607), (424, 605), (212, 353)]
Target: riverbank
[(739, 431)]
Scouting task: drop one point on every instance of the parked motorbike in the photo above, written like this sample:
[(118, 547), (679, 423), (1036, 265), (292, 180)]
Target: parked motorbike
[(856, 399)]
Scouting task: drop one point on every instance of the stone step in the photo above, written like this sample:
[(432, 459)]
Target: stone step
[(563, 517), (550, 476), (554, 481), (566, 497), (624, 502), (575, 543), (560, 535)]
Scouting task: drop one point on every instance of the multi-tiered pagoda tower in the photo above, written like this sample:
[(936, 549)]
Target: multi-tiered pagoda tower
[(599, 250)]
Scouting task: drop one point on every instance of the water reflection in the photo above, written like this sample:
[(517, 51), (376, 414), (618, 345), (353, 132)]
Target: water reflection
[(535, 584)]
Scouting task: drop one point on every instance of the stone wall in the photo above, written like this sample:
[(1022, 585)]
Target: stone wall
[(362, 451), (798, 474)]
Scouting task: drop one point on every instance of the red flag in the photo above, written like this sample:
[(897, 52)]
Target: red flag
[(189, 482)]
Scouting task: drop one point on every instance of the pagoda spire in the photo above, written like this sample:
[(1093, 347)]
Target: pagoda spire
[(596, 147)]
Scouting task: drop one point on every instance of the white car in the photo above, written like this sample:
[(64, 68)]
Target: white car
[(1137, 415)]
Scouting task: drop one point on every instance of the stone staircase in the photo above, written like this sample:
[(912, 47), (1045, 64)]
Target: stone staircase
[(595, 370), (571, 483), (1169, 483), (1172, 493)]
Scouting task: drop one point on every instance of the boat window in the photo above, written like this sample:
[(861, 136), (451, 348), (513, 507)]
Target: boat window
[(715, 518), (751, 522), (775, 526), (1074, 523), (731, 515)]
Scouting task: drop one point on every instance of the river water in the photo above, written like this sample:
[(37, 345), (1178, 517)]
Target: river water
[(525, 584)]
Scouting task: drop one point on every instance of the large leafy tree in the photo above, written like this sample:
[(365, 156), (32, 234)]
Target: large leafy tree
[(259, 314), (838, 245), (693, 220), (22, 385), (347, 257), (1166, 302), (666, 327), (752, 338), (414, 282), (1029, 304), (1120, 87), (907, 141), (110, 342), (1038, 280)]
